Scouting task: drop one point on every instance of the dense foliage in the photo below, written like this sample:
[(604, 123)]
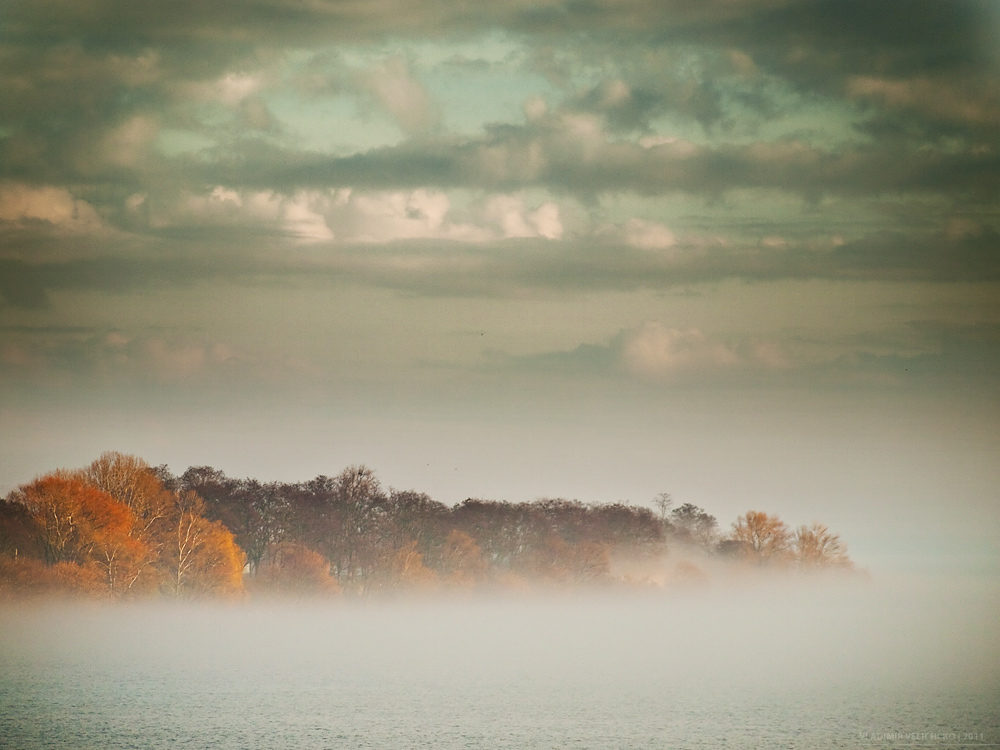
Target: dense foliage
[(121, 528)]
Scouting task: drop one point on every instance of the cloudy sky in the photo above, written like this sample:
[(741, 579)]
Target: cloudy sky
[(745, 251)]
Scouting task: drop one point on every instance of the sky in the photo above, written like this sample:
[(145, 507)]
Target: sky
[(743, 251)]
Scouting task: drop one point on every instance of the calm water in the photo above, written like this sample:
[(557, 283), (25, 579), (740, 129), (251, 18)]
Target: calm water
[(796, 668)]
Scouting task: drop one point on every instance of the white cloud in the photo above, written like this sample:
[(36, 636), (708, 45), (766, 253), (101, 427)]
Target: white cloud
[(545, 220), (513, 219), (648, 235), (392, 84), (383, 216), (222, 206), (229, 90), (234, 88), (303, 216), (671, 144), (354, 216), (127, 144), (655, 350), (21, 203), (535, 108)]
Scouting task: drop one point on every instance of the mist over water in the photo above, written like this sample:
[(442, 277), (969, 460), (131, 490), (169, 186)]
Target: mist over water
[(763, 664)]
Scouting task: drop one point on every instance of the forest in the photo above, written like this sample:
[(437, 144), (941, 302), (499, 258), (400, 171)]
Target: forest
[(122, 529)]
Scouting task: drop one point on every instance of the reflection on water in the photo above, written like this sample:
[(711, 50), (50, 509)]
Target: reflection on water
[(736, 667)]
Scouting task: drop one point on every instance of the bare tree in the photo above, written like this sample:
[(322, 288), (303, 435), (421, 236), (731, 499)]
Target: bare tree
[(663, 502)]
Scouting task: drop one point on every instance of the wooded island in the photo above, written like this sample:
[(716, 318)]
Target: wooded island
[(123, 529)]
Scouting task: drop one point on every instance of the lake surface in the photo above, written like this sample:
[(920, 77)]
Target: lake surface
[(738, 667)]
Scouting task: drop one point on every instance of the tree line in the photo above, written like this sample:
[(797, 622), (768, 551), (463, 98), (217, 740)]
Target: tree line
[(123, 529)]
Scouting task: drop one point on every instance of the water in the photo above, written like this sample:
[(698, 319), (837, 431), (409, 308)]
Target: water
[(773, 668)]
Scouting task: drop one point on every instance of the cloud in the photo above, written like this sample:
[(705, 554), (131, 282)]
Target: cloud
[(22, 204), (676, 100), (387, 216), (303, 217), (418, 242), (346, 215), (61, 357), (647, 235), (920, 354), (655, 351), (92, 113), (514, 220), (392, 84), (65, 356), (956, 104), (569, 153)]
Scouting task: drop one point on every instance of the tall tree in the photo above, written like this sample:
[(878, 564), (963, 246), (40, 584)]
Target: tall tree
[(72, 516), (817, 547), (361, 509), (663, 502), (458, 560), (693, 526), (78, 523), (132, 482), (761, 537), (200, 556)]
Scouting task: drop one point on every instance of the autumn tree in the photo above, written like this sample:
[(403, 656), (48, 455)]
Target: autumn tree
[(22, 577), (132, 482), (72, 517), (200, 556), (294, 569), (258, 514), (458, 560), (78, 523), (761, 538), (815, 546), (20, 535)]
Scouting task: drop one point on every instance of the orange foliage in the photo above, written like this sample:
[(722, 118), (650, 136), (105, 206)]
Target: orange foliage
[(459, 560), (82, 524), (408, 568), (78, 523), (817, 547), (201, 557), (295, 569), (761, 538), (73, 533), (22, 577)]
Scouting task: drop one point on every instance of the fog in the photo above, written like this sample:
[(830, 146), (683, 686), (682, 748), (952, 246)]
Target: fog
[(628, 668)]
